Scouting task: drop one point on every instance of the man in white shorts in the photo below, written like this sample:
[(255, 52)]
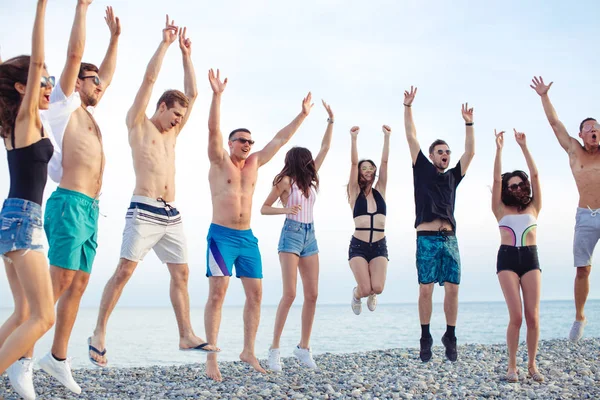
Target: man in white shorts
[(152, 221)]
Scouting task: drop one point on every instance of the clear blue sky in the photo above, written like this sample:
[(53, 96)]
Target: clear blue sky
[(359, 57)]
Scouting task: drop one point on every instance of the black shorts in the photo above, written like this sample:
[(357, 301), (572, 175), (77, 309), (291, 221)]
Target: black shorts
[(520, 260), (366, 250)]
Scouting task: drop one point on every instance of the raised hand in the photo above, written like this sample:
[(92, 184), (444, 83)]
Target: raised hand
[(467, 113), (170, 31), (409, 96), (539, 86), (354, 131), (328, 108), (216, 84), (520, 138), (499, 139), (386, 130), (114, 24), (307, 104), (294, 210), (185, 44)]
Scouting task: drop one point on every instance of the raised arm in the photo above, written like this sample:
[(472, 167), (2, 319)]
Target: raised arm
[(276, 192), (137, 112), (285, 134), (189, 76), (107, 68), (326, 142), (533, 171), (216, 153), (28, 121), (68, 78), (385, 155), (409, 124), (353, 187), (497, 205), (565, 140), (467, 157)]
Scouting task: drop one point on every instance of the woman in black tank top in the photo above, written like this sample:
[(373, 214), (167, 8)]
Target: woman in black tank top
[(368, 255), (25, 89)]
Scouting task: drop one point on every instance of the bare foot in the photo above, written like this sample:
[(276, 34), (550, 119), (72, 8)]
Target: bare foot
[(253, 361), (193, 341), (99, 345), (212, 370)]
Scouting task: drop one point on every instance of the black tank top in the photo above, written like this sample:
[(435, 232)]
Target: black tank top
[(28, 169)]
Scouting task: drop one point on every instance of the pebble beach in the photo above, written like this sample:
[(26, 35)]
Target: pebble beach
[(572, 371)]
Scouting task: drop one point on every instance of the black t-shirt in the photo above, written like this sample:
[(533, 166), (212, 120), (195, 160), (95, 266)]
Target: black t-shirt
[(435, 192)]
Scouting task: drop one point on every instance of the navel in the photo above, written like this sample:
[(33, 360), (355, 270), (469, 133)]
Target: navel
[(228, 180)]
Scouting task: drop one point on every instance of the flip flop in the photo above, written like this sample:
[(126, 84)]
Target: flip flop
[(201, 347), (95, 350)]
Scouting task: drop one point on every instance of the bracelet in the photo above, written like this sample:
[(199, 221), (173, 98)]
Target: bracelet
[(330, 120), (469, 123), (406, 105)]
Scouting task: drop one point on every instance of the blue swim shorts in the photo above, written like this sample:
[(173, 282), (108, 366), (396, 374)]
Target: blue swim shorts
[(228, 247), (298, 238), (438, 259)]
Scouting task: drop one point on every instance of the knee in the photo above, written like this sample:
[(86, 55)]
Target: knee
[(45, 319), (364, 289), (533, 320), (289, 297), (78, 286), (426, 291), (583, 272), (516, 320), (124, 272), (310, 296), (377, 288), (451, 290), (255, 296), (181, 276), (21, 314), (216, 297), (63, 281)]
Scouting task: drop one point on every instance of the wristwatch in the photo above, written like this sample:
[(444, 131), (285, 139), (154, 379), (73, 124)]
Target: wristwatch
[(330, 120)]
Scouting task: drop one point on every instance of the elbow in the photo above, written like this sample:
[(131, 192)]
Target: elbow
[(74, 56), (263, 210), (150, 78), (192, 95)]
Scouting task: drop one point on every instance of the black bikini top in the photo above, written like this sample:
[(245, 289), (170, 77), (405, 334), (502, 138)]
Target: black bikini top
[(360, 208)]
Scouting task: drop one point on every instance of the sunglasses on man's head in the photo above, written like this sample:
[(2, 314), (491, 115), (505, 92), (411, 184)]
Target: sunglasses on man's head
[(521, 185), (94, 77), (46, 81), (440, 152), (243, 140)]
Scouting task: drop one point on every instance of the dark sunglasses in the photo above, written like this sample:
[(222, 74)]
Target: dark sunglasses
[(440, 152), (94, 77), (243, 141), (521, 185), (46, 81)]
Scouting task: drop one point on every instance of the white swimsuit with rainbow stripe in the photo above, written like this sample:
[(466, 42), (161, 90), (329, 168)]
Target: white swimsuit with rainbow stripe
[(519, 225)]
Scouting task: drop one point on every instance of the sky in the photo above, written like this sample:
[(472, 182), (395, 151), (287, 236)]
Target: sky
[(359, 57)]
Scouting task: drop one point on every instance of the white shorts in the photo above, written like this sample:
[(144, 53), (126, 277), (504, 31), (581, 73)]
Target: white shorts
[(153, 224)]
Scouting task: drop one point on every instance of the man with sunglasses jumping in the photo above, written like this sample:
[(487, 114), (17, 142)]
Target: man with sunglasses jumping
[(438, 257), (585, 163), (152, 222), (71, 215), (232, 178)]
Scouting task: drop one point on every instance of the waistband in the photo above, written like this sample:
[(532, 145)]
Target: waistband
[(518, 248), (436, 233), (73, 193), (159, 202), (24, 205), (220, 229), (362, 242), (303, 225)]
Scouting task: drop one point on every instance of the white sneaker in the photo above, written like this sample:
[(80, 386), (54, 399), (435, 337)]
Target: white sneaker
[(356, 303), (305, 357), (61, 371), (20, 376), (577, 330), (274, 362), (372, 302)]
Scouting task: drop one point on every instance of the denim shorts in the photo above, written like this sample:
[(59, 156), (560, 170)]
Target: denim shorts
[(367, 250), (298, 238), (520, 259), (21, 226)]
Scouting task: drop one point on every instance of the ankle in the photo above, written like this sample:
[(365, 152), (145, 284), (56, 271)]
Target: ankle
[(425, 334), (450, 331)]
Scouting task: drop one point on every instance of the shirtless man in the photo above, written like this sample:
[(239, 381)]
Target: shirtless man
[(152, 221), (438, 258), (232, 179), (71, 215), (585, 166)]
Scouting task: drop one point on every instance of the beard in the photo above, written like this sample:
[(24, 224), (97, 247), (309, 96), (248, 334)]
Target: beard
[(88, 100)]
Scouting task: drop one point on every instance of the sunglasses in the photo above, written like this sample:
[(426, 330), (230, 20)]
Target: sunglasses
[(515, 186), (448, 152), (588, 128), (94, 77), (367, 168), (46, 81), (243, 141)]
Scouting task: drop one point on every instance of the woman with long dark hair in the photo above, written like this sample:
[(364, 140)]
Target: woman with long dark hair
[(296, 187), (368, 255), (25, 90), (516, 203)]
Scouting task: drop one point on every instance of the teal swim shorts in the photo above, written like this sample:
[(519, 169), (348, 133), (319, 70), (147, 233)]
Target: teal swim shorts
[(71, 225)]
